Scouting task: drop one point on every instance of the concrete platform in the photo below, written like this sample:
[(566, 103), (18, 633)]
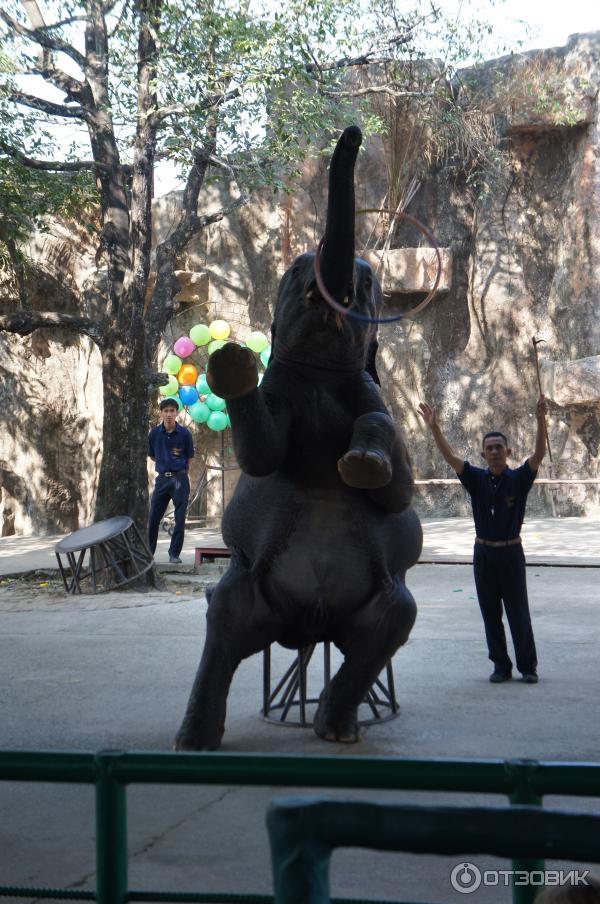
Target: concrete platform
[(115, 670), (556, 541)]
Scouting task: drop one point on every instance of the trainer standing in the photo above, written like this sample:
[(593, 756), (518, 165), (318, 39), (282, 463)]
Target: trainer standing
[(170, 446), (498, 498)]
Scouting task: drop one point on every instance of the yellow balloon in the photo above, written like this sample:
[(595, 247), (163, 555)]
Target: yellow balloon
[(219, 329)]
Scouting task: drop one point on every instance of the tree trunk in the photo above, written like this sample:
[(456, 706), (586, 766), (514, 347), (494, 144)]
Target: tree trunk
[(123, 482)]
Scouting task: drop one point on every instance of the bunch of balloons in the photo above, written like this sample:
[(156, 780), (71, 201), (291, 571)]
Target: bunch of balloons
[(187, 386)]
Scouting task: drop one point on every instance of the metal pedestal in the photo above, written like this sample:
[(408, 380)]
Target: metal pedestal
[(286, 704)]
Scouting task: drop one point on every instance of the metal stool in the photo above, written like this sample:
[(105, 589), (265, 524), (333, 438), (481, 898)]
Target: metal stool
[(289, 696), (118, 554)]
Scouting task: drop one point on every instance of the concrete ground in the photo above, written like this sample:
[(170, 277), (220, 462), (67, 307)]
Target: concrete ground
[(559, 541), (115, 670)]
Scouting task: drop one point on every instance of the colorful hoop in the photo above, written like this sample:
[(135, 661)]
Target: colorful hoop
[(355, 314)]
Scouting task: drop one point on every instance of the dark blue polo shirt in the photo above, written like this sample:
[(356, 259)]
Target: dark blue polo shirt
[(171, 451), (498, 502)]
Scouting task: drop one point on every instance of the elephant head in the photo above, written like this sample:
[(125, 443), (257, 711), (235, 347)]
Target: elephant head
[(306, 329)]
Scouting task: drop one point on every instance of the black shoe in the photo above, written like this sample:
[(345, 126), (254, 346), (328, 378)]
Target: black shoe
[(499, 677), (529, 678), (175, 560)]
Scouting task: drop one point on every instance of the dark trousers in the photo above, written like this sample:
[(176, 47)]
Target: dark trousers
[(167, 488), (500, 578)]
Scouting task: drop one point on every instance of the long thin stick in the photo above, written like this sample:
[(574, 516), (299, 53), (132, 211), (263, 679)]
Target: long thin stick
[(539, 379)]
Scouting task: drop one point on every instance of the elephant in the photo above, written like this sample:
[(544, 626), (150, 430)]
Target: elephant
[(320, 525)]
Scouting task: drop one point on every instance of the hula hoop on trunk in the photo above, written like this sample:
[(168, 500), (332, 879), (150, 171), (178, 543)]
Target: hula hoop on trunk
[(347, 312)]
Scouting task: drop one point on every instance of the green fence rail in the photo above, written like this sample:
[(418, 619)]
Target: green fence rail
[(521, 781)]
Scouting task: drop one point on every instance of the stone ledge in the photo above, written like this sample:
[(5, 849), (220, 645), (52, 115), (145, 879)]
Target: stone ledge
[(407, 270), (571, 382), (194, 285)]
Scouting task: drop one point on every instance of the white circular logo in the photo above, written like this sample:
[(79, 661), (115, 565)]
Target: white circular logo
[(465, 878)]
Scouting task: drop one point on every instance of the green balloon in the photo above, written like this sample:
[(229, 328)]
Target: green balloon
[(215, 344), (169, 388), (202, 386), (176, 399), (200, 334), (217, 420), (265, 355), (199, 412), (172, 364), (215, 402), (257, 342)]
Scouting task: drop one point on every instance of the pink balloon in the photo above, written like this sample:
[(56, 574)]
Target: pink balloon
[(184, 347)]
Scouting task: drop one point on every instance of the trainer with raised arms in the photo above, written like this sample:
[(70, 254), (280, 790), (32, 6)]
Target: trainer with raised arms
[(498, 498)]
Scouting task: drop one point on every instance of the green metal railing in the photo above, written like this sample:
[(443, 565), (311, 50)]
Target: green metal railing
[(522, 781)]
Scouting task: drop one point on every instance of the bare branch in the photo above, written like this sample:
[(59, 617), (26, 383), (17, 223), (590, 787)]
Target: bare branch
[(377, 89), (43, 38), (62, 22), (215, 100), (61, 166), (47, 106), (25, 322), (72, 87)]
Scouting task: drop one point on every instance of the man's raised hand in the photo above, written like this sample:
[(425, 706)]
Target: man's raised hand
[(427, 413)]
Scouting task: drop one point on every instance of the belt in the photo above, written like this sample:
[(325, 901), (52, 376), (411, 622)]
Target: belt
[(512, 542), (172, 473)]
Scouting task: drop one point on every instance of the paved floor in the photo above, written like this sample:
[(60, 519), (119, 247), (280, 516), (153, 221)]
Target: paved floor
[(557, 541), (114, 671)]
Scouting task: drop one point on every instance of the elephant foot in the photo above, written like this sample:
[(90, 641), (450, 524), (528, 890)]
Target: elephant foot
[(186, 739), (190, 744), (365, 469), (338, 726)]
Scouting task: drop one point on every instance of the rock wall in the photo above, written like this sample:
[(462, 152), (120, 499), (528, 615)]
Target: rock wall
[(51, 398), (520, 260)]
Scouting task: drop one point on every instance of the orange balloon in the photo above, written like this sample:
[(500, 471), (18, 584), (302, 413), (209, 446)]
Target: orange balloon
[(187, 375)]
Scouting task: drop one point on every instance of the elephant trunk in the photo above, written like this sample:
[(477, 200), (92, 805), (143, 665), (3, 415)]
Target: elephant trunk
[(337, 260)]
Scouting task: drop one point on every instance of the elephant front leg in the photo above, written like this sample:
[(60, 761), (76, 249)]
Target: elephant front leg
[(368, 641), (367, 464), (237, 627)]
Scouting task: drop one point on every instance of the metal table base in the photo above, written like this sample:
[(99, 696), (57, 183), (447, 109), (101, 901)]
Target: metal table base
[(109, 554)]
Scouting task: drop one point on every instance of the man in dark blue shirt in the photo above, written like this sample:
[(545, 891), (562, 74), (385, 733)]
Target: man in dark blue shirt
[(498, 498), (170, 446)]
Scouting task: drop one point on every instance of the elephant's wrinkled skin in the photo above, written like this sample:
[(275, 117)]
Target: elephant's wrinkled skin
[(320, 524)]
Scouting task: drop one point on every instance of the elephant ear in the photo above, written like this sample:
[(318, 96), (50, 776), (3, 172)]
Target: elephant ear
[(370, 365)]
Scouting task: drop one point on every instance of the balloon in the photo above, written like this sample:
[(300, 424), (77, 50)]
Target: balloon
[(257, 341), (188, 375), (219, 329), (188, 395), (199, 412), (184, 347), (217, 420), (215, 344), (169, 388), (174, 398), (202, 386), (172, 364), (200, 334), (265, 355), (215, 402)]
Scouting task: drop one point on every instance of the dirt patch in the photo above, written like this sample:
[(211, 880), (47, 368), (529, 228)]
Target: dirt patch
[(44, 590)]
